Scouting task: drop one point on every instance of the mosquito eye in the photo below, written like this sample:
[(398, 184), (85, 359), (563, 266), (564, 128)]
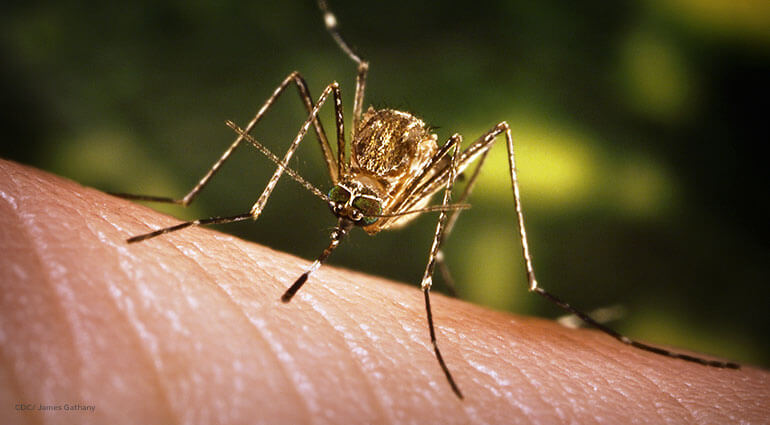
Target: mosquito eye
[(369, 207), (339, 195)]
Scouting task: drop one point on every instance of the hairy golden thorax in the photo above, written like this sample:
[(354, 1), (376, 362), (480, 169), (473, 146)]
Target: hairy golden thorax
[(390, 150)]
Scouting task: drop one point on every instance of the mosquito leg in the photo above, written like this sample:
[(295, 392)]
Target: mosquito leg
[(332, 88), (358, 100), (339, 232), (503, 127), (148, 198), (478, 150), (331, 22), (440, 259), (260, 204), (651, 348), (307, 101), (466, 193), (427, 279), (304, 94), (602, 315), (342, 164), (199, 222)]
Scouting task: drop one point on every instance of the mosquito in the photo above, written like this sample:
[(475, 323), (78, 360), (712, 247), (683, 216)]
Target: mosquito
[(394, 169)]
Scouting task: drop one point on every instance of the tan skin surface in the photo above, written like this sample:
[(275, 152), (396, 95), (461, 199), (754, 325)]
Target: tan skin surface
[(189, 328)]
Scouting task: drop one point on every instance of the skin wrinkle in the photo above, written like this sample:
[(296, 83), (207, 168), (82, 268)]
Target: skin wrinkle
[(685, 408), (74, 314), (32, 234), (427, 347), (424, 347), (430, 371), (505, 391), (145, 350), (528, 380), (34, 228), (662, 391), (166, 389), (505, 394), (689, 409), (638, 378), (291, 365), (533, 383), (573, 394), (421, 340), (306, 297), (283, 366), (260, 334), (343, 297), (231, 272), (146, 354), (509, 394), (265, 268), (363, 376), (709, 409), (613, 388), (309, 327), (380, 408), (552, 402), (529, 349), (257, 331), (16, 390), (442, 330)]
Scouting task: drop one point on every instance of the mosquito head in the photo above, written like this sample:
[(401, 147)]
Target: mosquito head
[(355, 202)]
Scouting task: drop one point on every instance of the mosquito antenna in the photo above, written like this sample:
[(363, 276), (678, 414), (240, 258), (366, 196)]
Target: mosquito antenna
[(331, 25), (293, 174), (343, 227)]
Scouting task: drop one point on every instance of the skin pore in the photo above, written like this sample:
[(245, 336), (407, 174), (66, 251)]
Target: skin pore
[(189, 327)]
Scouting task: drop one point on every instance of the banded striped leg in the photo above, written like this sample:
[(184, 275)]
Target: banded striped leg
[(533, 286), (307, 101), (256, 209), (427, 278)]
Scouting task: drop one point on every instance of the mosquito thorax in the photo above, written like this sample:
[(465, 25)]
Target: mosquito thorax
[(355, 202), (391, 147)]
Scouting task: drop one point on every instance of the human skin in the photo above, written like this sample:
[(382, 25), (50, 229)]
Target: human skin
[(189, 328)]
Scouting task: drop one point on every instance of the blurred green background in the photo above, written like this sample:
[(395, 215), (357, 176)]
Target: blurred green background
[(639, 127)]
